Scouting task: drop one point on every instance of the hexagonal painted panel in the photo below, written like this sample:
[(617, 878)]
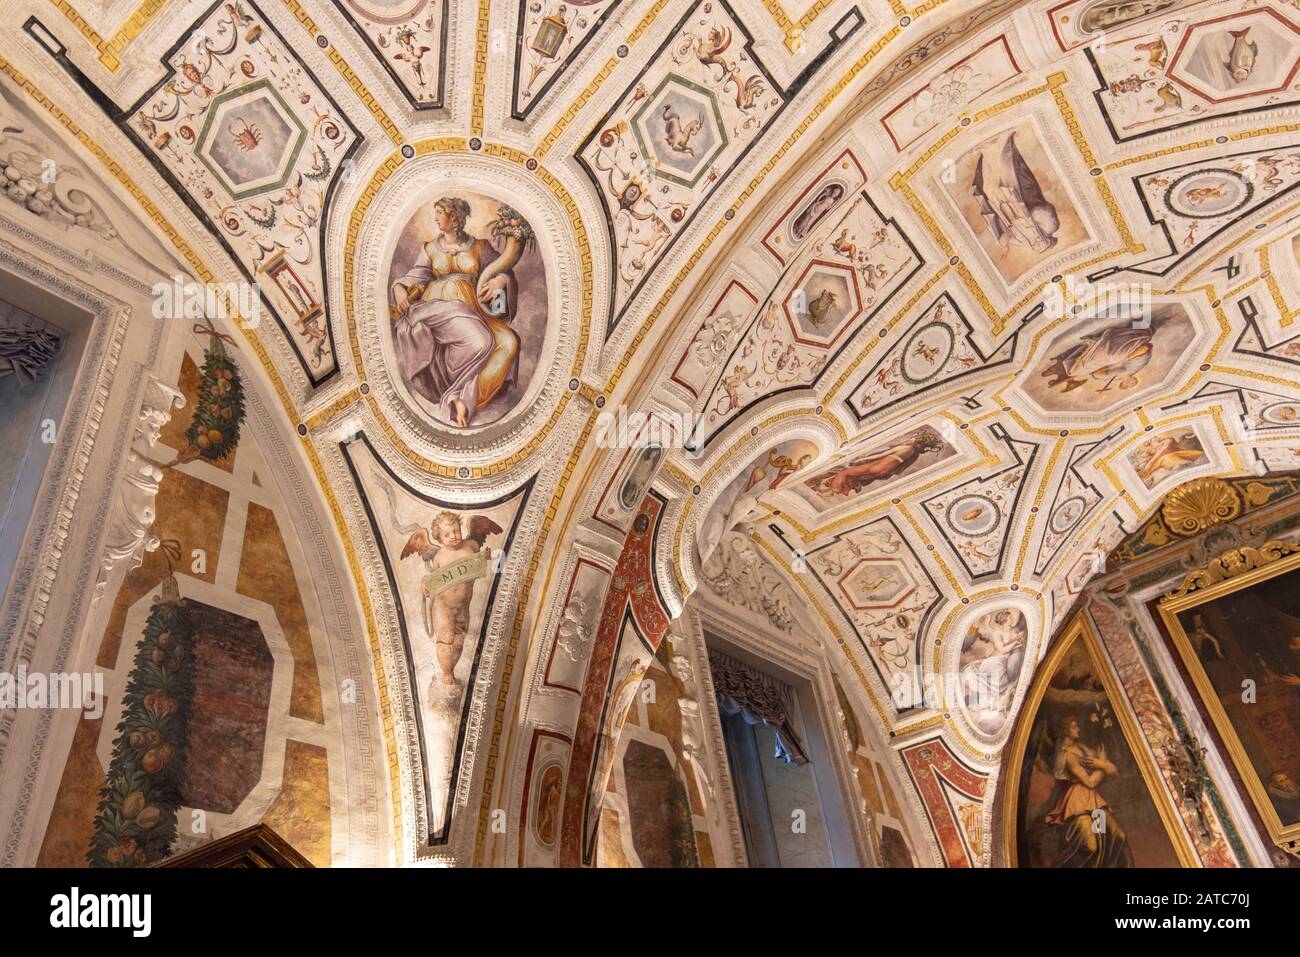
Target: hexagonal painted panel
[(876, 583), (823, 303), (250, 140), (1236, 56), (680, 130)]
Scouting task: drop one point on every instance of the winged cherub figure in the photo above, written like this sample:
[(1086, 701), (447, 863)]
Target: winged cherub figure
[(456, 558)]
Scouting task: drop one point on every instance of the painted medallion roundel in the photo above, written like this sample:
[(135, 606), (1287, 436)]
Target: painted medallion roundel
[(467, 301)]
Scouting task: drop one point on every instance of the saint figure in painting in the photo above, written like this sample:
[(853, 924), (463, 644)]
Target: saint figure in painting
[(1088, 834), (452, 312), (992, 654), (1285, 795)]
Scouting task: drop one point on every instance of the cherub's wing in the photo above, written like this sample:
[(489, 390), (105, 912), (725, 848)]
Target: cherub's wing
[(419, 544), (480, 527)]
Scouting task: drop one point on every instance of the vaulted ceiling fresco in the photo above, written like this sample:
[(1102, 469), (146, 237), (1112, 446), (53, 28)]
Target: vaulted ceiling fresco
[(883, 324)]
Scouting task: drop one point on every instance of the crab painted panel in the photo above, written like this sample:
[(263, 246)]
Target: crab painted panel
[(250, 140)]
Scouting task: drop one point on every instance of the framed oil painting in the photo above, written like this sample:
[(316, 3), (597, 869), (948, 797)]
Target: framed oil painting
[(1081, 789), (1236, 626)]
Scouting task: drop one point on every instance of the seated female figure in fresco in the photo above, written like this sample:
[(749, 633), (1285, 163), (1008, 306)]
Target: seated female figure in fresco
[(1089, 836), (452, 312)]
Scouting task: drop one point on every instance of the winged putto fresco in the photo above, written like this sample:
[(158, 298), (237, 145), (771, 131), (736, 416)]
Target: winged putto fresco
[(453, 550)]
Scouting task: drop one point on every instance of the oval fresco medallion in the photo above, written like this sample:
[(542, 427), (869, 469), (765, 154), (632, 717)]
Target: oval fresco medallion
[(974, 515), (1281, 413), (468, 309)]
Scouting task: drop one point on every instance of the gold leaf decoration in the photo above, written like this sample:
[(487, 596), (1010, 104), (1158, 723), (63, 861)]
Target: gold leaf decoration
[(1192, 508), (1234, 562)]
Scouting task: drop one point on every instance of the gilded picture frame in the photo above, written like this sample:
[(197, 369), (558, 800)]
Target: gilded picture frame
[(1080, 630), (1235, 571)]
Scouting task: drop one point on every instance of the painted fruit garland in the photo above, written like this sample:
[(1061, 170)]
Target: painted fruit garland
[(136, 820), (219, 410)]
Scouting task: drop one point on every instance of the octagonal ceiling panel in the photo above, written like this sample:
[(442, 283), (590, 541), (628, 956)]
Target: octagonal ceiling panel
[(824, 302), (1102, 363), (875, 584), (878, 584)]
